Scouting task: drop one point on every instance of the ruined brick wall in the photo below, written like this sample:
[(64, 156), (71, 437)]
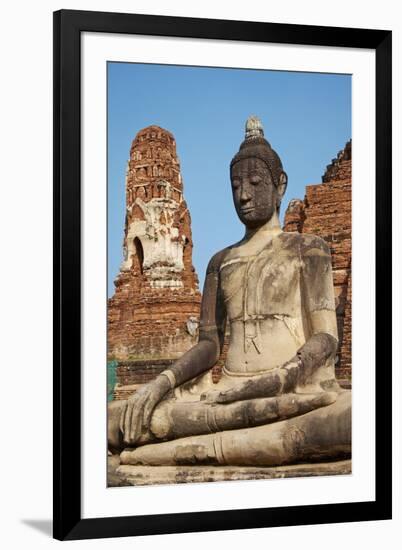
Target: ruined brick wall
[(154, 312), (327, 211)]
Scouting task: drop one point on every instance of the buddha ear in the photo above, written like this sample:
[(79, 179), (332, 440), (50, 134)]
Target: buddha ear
[(280, 189), (282, 184)]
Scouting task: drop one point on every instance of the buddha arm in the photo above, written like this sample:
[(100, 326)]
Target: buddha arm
[(205, 353), (319, 304)]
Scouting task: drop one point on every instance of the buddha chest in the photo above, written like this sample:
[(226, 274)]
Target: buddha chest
[(263, 283)]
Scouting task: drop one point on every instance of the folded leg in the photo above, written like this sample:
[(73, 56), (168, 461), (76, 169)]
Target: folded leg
[(324, 433), (172, 420)]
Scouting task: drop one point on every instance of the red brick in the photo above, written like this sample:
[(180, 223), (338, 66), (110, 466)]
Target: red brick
[(327, 211)]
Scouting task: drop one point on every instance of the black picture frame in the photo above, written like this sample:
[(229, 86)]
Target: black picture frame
[(68, 26)]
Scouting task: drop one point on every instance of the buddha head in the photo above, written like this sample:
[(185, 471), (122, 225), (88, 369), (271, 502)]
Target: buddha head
[(257, 177)]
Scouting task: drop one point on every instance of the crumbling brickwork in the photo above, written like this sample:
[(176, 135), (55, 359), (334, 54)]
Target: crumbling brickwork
[(154, 313), (327, 211)]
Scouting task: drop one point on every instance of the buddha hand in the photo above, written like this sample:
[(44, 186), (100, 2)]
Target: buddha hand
[(136, 414), (285, 379)]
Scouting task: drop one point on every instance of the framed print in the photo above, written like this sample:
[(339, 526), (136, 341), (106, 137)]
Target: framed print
[(222, 255)]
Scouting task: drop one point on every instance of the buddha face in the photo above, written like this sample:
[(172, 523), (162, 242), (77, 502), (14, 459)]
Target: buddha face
[(254, 194)]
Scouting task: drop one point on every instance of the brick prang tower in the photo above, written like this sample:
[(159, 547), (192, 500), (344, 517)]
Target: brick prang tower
[(326, 211), (154, 313)]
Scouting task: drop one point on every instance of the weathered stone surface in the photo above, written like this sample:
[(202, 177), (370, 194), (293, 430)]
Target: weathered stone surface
[(327, 211), (122, 475), (153, 315), (277, 401)]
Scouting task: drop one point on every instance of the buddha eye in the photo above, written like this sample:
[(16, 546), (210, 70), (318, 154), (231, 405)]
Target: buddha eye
[(255, 180), (235, 182)]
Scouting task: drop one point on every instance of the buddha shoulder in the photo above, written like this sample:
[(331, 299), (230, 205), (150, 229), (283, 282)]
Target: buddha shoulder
[(305, 244), (216, 261)]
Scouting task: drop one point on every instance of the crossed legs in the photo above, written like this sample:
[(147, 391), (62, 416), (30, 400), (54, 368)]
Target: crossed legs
[(254, 431)]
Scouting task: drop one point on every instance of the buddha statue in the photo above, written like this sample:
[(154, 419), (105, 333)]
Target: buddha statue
[(277, 401)]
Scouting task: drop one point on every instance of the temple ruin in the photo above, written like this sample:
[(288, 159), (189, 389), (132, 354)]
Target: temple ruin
[(153, 315)]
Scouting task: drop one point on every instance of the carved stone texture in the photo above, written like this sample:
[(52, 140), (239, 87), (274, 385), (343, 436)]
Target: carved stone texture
[(327, 211), (156, 296)]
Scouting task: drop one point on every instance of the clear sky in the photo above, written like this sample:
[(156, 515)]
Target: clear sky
[(306, 119)]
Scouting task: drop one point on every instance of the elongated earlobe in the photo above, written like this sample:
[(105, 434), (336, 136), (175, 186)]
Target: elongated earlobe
[(282, 184), (280, 189)]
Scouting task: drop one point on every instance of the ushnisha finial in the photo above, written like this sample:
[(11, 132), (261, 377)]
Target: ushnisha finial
[(254, 128), (255, 145)]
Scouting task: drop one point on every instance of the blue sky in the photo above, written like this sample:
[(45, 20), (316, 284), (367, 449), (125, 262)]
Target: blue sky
[(306, 119)]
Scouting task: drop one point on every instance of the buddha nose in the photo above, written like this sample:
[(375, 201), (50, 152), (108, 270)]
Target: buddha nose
[(244, 195)]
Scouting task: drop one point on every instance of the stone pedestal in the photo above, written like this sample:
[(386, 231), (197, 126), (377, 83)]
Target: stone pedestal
[(123, 476)]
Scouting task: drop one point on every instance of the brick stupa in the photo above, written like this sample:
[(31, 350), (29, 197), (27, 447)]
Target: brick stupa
[(153, 315), (327, 211)]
